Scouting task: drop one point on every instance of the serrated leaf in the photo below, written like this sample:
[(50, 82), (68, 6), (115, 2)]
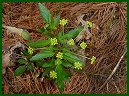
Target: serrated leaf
[(42, 55), (45, 13), (22, 61), (57, 20), (60, 77), (20, 70), (67, 64), (40, 43), (73, 33), (60, 86), (30, 67), (71, 58)]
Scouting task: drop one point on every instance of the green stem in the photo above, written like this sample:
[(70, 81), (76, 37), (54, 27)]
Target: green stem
[(63, 30)]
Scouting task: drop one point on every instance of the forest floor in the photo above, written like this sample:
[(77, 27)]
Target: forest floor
[(107, 44)]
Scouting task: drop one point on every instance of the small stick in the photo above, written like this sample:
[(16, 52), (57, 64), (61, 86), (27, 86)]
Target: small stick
[(114, 70)]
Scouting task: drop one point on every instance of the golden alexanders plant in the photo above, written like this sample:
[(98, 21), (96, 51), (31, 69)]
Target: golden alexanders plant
[(54, 54)]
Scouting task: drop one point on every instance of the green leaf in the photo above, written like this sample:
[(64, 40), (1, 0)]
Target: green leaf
[(39, 63), (40, 43), (42, 30), (73, 33), (20, 70), (47, 70), (22, 61), (60, 77), (67, 64), (60, 34), (57, 20), (71, 57), (60, 39), (40, 56), (45, 13), (25, 34), (46, 65), (60, 86), (30, 67), (25, 53)]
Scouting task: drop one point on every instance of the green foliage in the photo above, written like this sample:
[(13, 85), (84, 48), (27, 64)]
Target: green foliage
[(30, 67), (57, 21), (67, 64), (45, 13), (60, 77), (72, 58), (53, 55), (40, 43), (48, 64), (43, 55), (73, 33), (20, 70), (25, 35), (22, 61)]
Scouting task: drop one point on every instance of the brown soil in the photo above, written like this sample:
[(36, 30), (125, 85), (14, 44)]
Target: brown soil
[(108, 45)]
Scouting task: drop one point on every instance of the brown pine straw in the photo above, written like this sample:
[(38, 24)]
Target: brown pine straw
[(107, 44)]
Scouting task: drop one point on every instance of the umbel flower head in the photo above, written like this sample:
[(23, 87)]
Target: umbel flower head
[(53, 41), (30, 50), (89, 24), (53, 74), (71, 42), (92, 60), (59, 55), (63, 22), (83, 45), (58, 62), (77, 65)]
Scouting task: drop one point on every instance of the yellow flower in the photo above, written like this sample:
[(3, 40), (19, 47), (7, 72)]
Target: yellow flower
[(89, 24), (53, 74), (63, 22), (30, 50), (83, 45), (92, 59), (58, 62), (59, 55), (77, 65), (53, 41), (71, 42)]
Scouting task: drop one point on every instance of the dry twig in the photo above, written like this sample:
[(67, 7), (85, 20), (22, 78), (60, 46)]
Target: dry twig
[(114, 70)]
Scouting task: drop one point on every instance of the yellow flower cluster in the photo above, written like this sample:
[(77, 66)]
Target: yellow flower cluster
[(53, 74), (53, 41), (89, 24), (77, 65), (58, 62), (92, 60), (63, 22), (30, 50), (71, 42), (83, 45), (59, 55)]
